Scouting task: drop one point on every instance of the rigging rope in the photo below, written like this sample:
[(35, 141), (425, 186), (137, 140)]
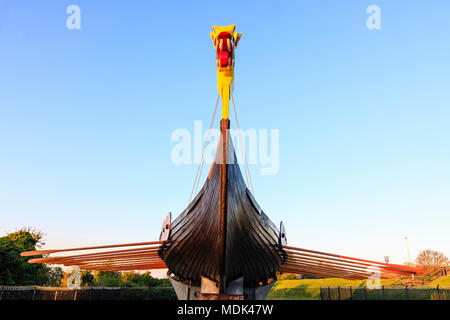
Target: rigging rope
[(205, 146), (247, 170)]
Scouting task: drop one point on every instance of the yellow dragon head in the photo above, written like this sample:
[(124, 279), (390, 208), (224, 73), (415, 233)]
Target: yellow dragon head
[(225, 40)]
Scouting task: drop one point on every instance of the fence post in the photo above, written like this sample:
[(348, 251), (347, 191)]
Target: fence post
[(406, 292), (365, 293), (339, 293), (56, 294), (351, 293), (34, 294), (329, 293), (439, 294), (382, 288)]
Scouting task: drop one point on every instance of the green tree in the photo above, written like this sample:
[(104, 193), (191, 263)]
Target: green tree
[(134, 279), (15, 269), (55, 276), (107, 279), (87, 279)]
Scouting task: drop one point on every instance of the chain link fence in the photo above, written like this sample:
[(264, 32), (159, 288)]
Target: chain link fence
[(388, 293), (87, 293)]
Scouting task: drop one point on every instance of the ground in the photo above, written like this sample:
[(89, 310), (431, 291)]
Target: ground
[(309, 289)]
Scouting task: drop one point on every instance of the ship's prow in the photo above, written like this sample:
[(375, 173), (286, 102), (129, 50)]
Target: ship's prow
[(240, 244)]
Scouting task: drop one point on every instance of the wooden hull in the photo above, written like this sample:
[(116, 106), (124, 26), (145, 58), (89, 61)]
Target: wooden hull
[(251, 246)]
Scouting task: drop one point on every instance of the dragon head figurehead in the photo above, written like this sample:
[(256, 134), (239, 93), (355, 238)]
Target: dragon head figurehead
[(225, 41)]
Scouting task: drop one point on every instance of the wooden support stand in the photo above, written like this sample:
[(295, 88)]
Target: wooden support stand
[(220, 296)]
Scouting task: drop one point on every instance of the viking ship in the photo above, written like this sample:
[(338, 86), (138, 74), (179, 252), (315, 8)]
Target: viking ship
[(223, 245), (223, 236)]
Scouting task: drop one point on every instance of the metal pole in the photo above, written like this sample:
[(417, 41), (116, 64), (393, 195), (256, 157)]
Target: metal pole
[(409, 255), (329, 293), (351, 293), (382, 288), (339, 292), (365, 293)]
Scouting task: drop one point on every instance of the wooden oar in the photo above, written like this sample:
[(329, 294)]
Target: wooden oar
[(321, 273), (150, 252), (360, 261), (74, 261), (40, 252), (298, 255)]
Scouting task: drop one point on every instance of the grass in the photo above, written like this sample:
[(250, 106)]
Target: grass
[(309, 289), (443, 282)]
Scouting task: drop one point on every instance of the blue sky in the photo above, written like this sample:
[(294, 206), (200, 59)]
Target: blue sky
[(86, 118)]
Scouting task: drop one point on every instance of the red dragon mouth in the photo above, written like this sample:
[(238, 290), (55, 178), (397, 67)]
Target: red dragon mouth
[(224, 50)]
